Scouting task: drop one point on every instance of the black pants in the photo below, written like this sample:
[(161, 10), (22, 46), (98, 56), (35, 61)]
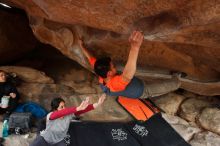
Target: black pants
[(41, 125), (39, 141)]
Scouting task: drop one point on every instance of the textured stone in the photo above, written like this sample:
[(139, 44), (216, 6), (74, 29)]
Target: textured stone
[(209, 119), (169, 103), (23, 140), (171, 119), (80, 88), (189, 94), (109, 111), (27, 74), (205, 139), (44, 93), (18, 140), (77, 78), (208, 89), (191, 108), (174, 32), (185, 129)]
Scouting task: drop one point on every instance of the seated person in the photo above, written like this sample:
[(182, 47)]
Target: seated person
[(6, 89), (58, 120)]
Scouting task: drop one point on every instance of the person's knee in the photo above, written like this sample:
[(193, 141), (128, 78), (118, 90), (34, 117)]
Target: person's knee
[(39, 141), (62, 143)]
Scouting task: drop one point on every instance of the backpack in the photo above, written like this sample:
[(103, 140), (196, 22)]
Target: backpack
[(35, 109), (20, 123)]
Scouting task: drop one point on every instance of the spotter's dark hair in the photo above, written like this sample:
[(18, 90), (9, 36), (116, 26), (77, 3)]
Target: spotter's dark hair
[(55, 103)]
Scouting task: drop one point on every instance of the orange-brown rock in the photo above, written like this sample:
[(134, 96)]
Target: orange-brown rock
[(180, 35), (28, 75)]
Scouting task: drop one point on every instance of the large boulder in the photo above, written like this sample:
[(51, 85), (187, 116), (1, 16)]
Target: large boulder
[(169, 103), (205, 139), (27, 74), (43, 94), (185, 129), (174, 32), (209, 119), (192, 107)]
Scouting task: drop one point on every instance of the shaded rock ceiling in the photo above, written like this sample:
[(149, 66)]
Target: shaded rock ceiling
[(16, 38), (180, 35)]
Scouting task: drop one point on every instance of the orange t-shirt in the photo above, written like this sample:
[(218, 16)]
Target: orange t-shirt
[(115, 84)]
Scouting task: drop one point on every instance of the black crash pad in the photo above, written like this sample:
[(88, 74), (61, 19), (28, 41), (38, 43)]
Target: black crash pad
[(153, 132)]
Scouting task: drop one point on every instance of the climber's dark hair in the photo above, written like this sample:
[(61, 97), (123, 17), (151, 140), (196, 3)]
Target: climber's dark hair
[(102, 66)]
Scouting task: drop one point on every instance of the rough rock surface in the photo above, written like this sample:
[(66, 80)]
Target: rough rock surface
[(185, 129), (18, 140), (210, 119), (43, 93), (29, 75), (169, 103), (205, 139), (191, 108), (180, 35), (16, 36)]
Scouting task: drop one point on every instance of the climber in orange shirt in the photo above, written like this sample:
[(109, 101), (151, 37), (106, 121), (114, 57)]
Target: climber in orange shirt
[(125, 84)]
